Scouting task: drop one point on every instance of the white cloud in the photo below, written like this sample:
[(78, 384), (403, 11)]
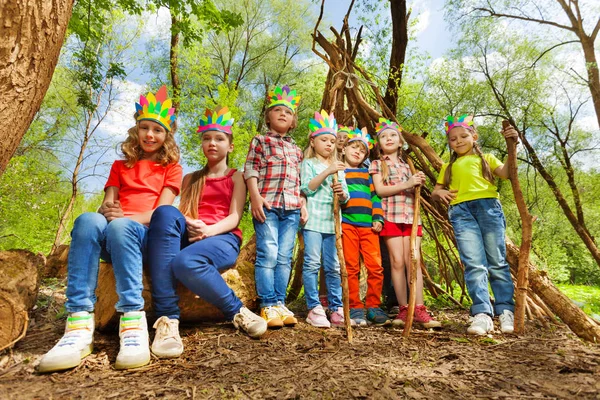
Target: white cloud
[(120, 117), (422, 21)]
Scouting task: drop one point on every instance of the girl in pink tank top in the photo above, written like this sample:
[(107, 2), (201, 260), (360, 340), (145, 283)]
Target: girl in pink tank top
[(196, 243)]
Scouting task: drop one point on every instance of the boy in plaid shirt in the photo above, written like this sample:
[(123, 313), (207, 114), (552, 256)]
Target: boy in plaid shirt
[(273, 179)]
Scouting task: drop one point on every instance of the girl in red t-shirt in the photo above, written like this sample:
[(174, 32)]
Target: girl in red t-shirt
[(196, 243), (149, 176)]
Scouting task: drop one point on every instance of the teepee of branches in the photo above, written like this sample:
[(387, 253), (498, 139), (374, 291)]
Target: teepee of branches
[(356, 101)]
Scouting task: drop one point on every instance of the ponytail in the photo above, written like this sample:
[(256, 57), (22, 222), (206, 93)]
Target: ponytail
[(486, 171), (192, 193)]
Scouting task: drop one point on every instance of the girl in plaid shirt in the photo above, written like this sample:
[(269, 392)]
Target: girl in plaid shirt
[(319, 165), (273, 179), (394, 183)]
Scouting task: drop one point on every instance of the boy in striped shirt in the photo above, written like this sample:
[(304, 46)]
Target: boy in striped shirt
[(362, 219)]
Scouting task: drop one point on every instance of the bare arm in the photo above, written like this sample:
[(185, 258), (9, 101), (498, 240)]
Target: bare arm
[(508, 133), (332, 169), (167, 196), (257, 202)]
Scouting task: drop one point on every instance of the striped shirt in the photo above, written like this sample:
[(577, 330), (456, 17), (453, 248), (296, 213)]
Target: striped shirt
[(319, 202), (364, 206), (275, 162), (400, 207)]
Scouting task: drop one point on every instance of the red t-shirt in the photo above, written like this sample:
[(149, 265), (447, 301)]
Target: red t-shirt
[(216, 200), (140, 186)]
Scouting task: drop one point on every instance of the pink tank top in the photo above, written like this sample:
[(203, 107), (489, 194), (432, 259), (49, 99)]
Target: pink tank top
[(216, 200)]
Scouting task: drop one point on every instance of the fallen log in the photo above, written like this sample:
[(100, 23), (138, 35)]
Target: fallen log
[(193, 308), (19, 283)]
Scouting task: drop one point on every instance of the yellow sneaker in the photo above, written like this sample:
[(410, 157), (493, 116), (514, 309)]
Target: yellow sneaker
[(271, 315), (286, 315)]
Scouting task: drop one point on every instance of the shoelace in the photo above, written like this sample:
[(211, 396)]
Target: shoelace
[(130, 330), (271, 313), (167, 330), (74, 327), (422, 314), (285, 310)]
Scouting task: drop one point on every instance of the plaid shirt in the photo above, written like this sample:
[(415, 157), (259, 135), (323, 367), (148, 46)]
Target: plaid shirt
[(398, 208), (275, 161)]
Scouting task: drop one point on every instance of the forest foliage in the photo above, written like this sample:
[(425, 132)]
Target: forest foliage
[(233, 52)]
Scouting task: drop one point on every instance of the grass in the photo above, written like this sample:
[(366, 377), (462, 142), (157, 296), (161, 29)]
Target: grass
[(586, 297)]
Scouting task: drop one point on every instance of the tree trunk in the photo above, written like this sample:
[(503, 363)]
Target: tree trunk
[(193, 308), (174, 61), (592, 69), (19, 282), (582, 325), (32, 33), (399, 42)]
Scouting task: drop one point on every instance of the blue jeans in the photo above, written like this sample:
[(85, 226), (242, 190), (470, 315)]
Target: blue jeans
[(318, 244), (198, 265), (274, 247), (479, 227), (121, 242)]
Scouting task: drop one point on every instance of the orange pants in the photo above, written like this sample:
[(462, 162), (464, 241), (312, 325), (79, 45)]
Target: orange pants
[(356, 241)]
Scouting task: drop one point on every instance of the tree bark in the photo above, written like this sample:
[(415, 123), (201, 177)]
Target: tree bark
[(32, 33), (582, 325), (19, 282), (399, 43), (174, 61)]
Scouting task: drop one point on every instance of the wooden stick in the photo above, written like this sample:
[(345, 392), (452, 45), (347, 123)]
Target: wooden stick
[(526, 234), (340, 252), (414, 253)]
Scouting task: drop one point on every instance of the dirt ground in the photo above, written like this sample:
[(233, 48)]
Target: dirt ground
[(305, 362)]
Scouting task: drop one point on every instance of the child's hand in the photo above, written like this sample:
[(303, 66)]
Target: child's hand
[(111, 211), (510, 133), (443, 195), (377, 226), (417, 179), (339, 190), (256, 205), (197, 229), (303, 215), (335, 167)]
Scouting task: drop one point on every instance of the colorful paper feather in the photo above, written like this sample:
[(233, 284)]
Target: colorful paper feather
[(284, 96), (323, 123), (363, 136), (156, 108), (465, 120), (218, 119), (384, 124)]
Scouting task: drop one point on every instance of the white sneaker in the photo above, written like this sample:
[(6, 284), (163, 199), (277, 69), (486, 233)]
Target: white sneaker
[(254, 325), (167, 342), (507, 321), (317, 317), (481, 324), (135, 350), (74, 346), (286, 315)]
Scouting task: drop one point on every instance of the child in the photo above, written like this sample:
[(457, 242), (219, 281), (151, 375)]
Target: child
[(341, 140), (273, 178), (467, 184), (394, 183), (319, 164), (196, 243), (149, 176), (362, 219)]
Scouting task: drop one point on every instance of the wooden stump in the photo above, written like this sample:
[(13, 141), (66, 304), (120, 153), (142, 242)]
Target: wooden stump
[(193, 308), (19, 282), (56, 265)]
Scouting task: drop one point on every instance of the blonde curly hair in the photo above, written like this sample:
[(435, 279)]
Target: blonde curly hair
[(168, 154)]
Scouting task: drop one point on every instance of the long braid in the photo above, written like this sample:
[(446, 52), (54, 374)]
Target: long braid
[(448, 173), (190, 196), (486, 171)]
